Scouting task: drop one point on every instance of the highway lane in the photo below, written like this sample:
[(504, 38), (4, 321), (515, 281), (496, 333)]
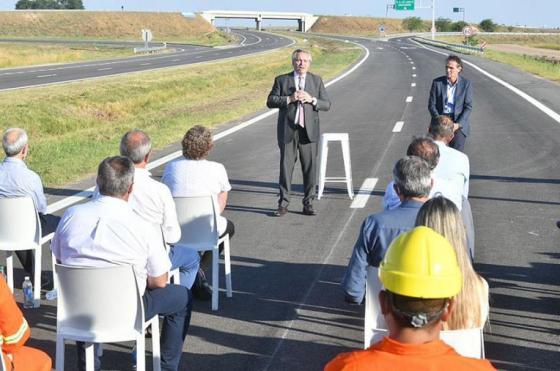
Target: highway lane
[(287, 311), (251, 42)]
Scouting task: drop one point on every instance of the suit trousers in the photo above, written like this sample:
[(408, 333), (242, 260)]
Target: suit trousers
[(458, 141), (308, 158)]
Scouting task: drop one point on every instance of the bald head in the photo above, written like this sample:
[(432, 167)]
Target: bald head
[(136, 145), (14, 141)]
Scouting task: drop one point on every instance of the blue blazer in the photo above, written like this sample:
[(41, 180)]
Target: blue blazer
[(463, 101)]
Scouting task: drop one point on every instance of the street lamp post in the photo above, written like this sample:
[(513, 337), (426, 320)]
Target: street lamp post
[(433, 19)]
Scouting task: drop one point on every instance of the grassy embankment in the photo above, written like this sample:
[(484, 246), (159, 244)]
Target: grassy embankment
[(85, 25), (548, 68), (18, 55), (358, 26), (73, 126)]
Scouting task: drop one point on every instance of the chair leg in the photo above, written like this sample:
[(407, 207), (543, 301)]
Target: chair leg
[(156, 351), (90, 363), (55, 278), (227, 266), (140, 353), (347, 168), (10, 269), (215, 272), (59, 353), (324, 154), (37, 278)]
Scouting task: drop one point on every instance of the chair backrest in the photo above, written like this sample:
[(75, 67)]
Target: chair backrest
[(197, 218), (373, 318), (99, 304), (20, 228), (467, 342)]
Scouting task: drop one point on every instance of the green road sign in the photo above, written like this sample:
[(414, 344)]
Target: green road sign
[(404, 4)]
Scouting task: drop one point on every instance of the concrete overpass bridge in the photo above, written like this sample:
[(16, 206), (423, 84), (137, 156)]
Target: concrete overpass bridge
[(305, 20)]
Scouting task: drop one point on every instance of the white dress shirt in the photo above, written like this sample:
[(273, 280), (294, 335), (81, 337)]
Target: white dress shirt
[(186, 178), (152, 200), (453, 166), (105, 232), (16, 180)]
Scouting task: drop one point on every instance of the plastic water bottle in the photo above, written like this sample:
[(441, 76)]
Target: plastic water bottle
[(27, 288)]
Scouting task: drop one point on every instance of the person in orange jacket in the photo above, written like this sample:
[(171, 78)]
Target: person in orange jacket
[(14, 332), (421, 277)]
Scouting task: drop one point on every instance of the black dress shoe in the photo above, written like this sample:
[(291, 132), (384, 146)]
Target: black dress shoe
[(558, 224), (281, 211), (201, 289), (308, 210)]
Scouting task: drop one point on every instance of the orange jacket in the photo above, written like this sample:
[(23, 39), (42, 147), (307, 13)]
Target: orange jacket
[(389, 354), (14, 332)]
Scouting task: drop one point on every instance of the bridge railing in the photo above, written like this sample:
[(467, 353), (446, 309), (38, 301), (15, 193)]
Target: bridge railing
[(455, 47)]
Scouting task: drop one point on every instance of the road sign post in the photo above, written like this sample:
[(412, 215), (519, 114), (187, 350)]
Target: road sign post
[(404, 4)]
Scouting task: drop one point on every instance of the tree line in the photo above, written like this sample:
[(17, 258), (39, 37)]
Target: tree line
[(445, 25), (49, 4)]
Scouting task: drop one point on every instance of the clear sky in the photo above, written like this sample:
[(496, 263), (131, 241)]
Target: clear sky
[(534, 13)]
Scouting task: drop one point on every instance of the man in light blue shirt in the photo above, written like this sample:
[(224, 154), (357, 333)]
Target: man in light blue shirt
[(412, 183), (16, 180)]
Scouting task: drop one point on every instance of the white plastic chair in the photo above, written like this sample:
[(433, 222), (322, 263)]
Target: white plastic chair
[(199, 230), (2, 364), (102, 305), (467, 342), (344, 140), (20, 229)]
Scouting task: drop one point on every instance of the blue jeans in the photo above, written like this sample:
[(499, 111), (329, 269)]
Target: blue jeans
[(188, 262), (175, 304)]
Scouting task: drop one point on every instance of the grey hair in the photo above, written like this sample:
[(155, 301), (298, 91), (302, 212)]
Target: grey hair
[(14, 146), (115, 176), (442, 127), (412, 177), (135, 145), (297, 51)]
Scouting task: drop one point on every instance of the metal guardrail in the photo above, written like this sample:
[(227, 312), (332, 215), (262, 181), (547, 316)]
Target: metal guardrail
[(150, 49), (455, 47)]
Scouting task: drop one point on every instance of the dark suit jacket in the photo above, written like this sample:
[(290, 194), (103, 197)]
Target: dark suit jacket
[(463, 101), (283, 87)]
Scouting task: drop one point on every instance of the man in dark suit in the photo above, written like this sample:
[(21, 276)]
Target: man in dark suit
[(451, 95), (299, 95)]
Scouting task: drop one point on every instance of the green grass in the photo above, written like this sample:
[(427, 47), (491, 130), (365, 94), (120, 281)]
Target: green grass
[(15, 55), (547, 68), (73, 126)]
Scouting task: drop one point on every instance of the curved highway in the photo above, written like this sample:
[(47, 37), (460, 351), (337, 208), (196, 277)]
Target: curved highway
[(287, 311), (251, 42)]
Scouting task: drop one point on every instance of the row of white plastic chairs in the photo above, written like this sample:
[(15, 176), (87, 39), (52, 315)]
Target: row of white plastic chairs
[(91, 308)]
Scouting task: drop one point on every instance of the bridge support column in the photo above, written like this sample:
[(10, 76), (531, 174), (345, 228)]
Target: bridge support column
[(258, 21)]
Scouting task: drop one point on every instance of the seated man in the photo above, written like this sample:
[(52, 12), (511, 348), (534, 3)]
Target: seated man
[(15, 331), (421, 276), (16, 180), (106, 231), (153, 202), (426, 149), (412, 183)]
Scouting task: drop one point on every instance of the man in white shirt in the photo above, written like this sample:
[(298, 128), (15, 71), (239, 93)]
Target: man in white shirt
[(17, 180), (153, 202), (454, 166), (106, 231), (426, 149)]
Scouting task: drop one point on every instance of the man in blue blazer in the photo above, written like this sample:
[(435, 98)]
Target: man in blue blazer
[(299, 95), (451, 95)]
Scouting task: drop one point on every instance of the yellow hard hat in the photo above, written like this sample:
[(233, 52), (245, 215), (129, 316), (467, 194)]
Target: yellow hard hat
[(422, 264)]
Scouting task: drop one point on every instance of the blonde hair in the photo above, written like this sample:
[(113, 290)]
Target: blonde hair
[(442, 215)]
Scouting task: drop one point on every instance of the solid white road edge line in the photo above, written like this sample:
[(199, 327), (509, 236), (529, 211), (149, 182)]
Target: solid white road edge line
[(548, 111), (365, 192)]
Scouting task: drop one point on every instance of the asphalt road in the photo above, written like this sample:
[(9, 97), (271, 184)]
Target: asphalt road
[(251, 42), (287, 311)]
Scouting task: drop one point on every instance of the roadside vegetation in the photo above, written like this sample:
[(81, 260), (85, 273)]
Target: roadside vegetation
[(545, 65), (91, 25), (73, 126), (24, 54)]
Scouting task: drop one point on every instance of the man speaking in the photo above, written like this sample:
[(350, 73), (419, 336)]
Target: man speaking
[(299, 95)]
